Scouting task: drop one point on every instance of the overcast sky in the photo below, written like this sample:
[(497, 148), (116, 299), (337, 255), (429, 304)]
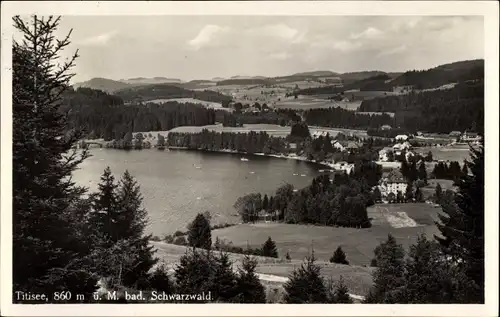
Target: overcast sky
[(203, 47)]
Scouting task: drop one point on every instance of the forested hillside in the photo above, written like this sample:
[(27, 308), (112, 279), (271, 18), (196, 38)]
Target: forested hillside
[(442, 111), (442, 75), (168, 91), (104, 115)]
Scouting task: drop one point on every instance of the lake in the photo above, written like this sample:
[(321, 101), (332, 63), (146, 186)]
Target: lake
[(177, 184)]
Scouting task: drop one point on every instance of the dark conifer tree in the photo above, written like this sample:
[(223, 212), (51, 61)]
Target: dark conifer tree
[(341, 294), (265, 202), (465, 170), (409, 193), (388, 277), (422, 172), (250, 289), (199, 234), (438, 193), (160, 281), (306, 285), (222, 279), (269, 248), (193, 273), (339, 256), (105, 209), (49, 253), (462, 225), (428, 278)]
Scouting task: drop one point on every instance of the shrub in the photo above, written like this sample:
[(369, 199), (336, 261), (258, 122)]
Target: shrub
[(179, 233), (169, 238), (180, 241), (155, 238)]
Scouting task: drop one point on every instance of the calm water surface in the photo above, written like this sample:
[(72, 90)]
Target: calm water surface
[(176, 185)]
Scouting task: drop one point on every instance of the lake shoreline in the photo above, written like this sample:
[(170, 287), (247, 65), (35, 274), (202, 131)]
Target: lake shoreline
[(282, 156)]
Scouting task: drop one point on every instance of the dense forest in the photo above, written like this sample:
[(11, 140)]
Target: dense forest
[(441, 111), (250, 143), (441, 75), (168, 91), (338, 201), (336, 117), (458, 72), (105, 116)]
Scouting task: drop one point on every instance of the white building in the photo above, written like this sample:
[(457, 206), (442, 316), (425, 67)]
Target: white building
[(393, 183), (384, 154), (344, 166), (470, 137), (337, 145), (317, 134), (401, 137)]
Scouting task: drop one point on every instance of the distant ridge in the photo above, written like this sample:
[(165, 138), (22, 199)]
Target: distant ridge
[(104, 84)]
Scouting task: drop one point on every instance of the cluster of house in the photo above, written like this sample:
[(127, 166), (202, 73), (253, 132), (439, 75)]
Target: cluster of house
[(341, 146), (466, 136), (403, 146)]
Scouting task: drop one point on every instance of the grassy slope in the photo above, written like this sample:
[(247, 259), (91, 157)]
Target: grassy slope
[(357, 243), (299, 239), (357, 278)]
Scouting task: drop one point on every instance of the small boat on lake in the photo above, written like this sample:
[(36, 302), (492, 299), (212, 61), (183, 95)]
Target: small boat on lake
[(244, 159)]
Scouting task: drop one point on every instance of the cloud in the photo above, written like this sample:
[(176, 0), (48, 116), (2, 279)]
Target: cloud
[(370, 33), (393, 51), (98, 40), (280, 55), (280, 31), (338, 45), (206, 35)]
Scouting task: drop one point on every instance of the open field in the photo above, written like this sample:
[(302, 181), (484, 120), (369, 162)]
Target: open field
[(362, 95), (311, 102), (404, 221), (447, 153), (274, 272)]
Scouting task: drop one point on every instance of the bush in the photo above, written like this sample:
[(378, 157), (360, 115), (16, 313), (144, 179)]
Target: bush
[(373, 263), (160, 281), (179, 233), (169, 239), (223, 225), (180, 241), (155, 238)]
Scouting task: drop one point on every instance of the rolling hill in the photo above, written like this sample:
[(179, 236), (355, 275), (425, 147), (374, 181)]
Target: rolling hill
[(442, 75), (168, 91), (104, 84)]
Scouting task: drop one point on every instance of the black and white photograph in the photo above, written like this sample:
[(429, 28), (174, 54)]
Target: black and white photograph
[(247, 155)]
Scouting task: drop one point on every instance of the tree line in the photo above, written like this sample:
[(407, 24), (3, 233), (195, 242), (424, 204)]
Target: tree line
[(451, 170), (105, 116), (460, 108), (251, 142), (336, 117)]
